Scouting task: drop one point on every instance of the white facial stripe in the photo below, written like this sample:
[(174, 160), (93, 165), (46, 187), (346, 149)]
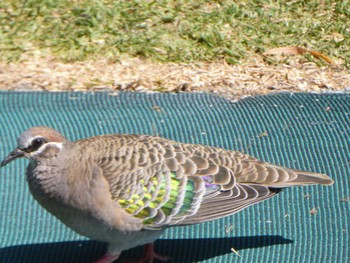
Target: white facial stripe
[(29, 141), (42, 148)]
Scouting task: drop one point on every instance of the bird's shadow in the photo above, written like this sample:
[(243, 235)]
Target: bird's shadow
[(180, 250)]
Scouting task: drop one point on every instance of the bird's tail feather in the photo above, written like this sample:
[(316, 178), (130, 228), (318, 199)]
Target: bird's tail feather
[(279, 177)]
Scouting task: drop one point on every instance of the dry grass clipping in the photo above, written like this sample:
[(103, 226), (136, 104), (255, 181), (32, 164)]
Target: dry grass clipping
[(254, 77)]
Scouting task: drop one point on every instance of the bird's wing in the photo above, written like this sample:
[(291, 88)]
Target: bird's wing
[(166, 183)]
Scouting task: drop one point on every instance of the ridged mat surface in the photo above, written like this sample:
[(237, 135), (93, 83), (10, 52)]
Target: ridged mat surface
[(304, 131)]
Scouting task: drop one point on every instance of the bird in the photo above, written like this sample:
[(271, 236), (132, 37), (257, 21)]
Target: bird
[(126, 189)]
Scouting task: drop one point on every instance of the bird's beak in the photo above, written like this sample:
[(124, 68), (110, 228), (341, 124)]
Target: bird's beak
[(16, 153)]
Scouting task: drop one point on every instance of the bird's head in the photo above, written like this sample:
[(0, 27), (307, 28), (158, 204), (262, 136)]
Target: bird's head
[(36, 142)]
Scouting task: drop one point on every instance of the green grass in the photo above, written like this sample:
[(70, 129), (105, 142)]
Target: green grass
[(176, 31)]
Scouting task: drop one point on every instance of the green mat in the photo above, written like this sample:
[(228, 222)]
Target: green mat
[(304, 131)]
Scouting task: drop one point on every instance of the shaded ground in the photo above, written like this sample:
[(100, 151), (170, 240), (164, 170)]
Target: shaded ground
[(253, 77)]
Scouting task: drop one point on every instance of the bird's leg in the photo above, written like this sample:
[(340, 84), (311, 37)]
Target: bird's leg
[(149, 256), (108, 258)]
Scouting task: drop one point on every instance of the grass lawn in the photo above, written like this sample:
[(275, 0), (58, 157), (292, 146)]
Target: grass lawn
[(176, 31), (182, 32)]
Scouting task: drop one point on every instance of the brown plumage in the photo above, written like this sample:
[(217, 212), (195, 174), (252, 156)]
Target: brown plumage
[(124, 189)]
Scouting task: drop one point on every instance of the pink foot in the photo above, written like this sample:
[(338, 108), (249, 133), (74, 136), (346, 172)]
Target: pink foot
[(108, 258), (149, 256)]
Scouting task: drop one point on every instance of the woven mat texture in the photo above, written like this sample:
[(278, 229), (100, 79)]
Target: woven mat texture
[(304, 131)]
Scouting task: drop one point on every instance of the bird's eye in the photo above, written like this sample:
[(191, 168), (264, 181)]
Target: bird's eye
[(36, 143)]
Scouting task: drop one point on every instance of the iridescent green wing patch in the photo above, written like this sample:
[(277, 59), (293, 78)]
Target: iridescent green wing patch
[(161, 198)]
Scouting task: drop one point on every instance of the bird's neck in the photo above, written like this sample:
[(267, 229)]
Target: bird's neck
[(45, 179)]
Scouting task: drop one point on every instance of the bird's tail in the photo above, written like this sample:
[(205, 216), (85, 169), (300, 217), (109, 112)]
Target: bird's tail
[(280, 177)]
